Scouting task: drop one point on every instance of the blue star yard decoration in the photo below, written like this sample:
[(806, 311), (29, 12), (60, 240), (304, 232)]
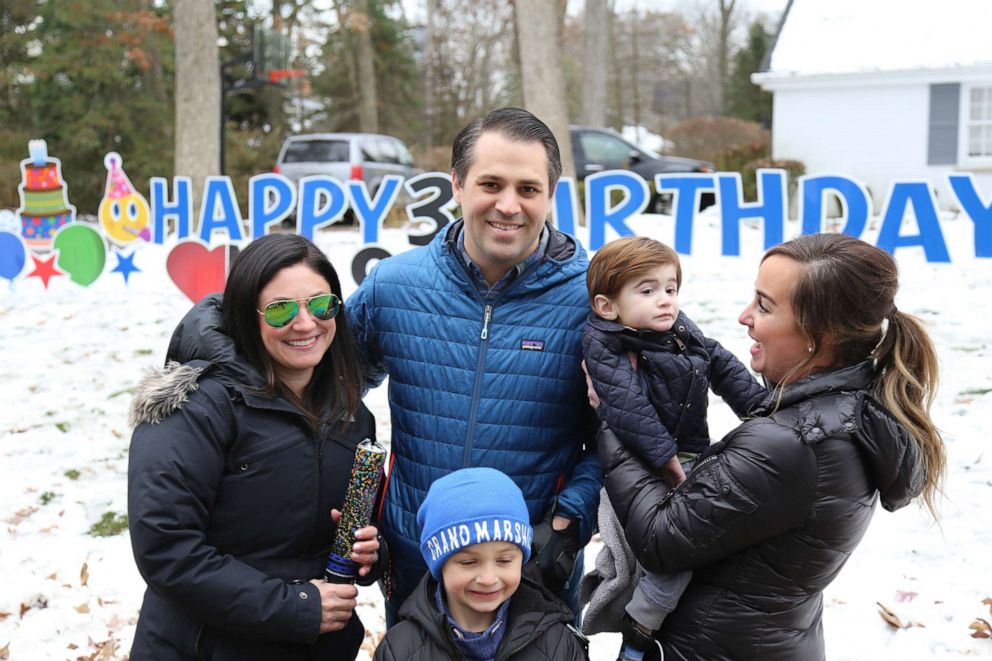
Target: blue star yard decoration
[(125, 265)]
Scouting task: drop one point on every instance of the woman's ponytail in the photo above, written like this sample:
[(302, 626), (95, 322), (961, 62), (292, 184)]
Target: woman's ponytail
[(907, 361)]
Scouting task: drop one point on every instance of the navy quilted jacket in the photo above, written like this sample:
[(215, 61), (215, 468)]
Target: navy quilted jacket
[(660, 408), (476, 384)]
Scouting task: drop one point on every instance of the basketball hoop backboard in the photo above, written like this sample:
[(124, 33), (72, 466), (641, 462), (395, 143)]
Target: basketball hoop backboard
[(271, 53)]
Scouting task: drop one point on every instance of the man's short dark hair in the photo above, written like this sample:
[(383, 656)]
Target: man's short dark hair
[(514, 124)]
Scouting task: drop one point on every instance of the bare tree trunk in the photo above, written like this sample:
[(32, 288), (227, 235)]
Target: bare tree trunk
[(197, 93), (541, 71), (430, 56), (349, 48), (360, 23), (617, 66), (595, 62), (723, 51), (635, 82)]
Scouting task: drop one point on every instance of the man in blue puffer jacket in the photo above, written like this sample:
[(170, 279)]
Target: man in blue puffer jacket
[(480, 334)]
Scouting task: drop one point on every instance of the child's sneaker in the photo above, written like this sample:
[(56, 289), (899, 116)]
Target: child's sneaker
[(638, 643)]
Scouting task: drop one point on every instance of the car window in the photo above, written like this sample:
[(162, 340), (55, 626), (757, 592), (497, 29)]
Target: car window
[(304, 151), (605, 149), (370, 151), (387, 151), (405, 158)]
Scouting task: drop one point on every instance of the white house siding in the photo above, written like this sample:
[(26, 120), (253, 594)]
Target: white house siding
[(872, 127)]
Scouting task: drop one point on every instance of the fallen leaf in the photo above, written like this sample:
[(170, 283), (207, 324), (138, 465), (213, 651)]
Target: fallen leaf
[(108, 650), (890, 617), (116, 433), (5, 651), (4, 615), (24, 609), (53, 576), (906, 596), (82, 608), (84, 574), (22, 514), (982, 628), (73, 646), (988, 602)]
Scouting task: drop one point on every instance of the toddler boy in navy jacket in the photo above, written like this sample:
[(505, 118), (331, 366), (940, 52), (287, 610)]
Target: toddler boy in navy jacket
[(474, 604), (652, 369)]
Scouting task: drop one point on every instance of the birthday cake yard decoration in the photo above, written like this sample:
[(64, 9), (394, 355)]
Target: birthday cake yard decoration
[(45, 204)]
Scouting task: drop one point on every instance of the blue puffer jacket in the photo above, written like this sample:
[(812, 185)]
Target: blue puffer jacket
[(471, 384), (659, 408)]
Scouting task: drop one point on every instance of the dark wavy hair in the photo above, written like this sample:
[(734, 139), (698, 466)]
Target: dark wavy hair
[(335, 388), (514, 124), (846, 295)]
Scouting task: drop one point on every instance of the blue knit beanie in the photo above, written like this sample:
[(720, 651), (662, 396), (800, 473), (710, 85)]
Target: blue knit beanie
[(471, 506)]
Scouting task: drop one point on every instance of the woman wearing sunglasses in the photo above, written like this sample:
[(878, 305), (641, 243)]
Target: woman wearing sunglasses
[(242, 449)]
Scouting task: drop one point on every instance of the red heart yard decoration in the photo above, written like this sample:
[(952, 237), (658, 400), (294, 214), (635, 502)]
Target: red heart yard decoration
[(196, 270)]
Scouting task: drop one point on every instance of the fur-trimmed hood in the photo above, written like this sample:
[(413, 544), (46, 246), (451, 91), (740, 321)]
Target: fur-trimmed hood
[(201, 336), (160, 392), (199, 343)]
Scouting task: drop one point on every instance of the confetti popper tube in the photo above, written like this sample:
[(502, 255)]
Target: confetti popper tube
[(356, 511)]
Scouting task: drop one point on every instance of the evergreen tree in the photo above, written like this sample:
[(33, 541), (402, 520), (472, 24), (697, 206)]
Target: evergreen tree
[(15, 113), (90, 82), (747, 100), (400, 97)]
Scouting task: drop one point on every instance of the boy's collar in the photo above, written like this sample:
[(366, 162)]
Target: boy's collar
[(463, 634)]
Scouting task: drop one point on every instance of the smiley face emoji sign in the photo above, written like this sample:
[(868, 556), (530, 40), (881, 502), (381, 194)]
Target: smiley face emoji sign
[(123, 211)]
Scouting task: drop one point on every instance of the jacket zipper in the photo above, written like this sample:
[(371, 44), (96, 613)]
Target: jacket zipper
[(477, 386), (320, 480), (678, 486)]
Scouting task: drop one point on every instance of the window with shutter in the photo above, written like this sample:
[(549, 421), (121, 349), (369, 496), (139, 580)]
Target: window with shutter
[(942, 145)]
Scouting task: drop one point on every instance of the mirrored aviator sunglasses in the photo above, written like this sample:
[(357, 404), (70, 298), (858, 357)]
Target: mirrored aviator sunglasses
[(322, 306)]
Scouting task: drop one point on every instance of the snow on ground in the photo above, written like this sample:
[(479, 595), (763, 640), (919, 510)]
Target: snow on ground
[(71, 355)]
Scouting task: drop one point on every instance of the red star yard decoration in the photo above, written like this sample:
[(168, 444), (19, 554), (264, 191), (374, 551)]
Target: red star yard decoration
[(45, 268)]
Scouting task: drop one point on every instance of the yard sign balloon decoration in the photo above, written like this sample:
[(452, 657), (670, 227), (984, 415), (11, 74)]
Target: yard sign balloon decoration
[(45, 240)]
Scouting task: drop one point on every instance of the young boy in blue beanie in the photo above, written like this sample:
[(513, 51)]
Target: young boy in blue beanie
[(474, 604)]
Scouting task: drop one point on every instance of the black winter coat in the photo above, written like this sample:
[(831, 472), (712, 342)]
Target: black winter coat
[(768, 516), (539, 628), (229, 499), (659, 408)]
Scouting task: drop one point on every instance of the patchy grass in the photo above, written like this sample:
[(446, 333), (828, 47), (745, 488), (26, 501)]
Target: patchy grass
[(72, 474), (126, 391), (143, 352), (110, 524), (47, 497), (63, 427), (976, 391)]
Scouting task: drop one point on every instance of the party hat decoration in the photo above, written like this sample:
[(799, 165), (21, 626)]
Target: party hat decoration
[(123, 211)]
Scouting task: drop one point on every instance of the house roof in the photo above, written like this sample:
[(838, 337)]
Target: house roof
[(817, 37)]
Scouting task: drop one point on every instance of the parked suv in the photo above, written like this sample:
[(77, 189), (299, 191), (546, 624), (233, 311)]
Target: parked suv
[(597, 149), (366, 156)]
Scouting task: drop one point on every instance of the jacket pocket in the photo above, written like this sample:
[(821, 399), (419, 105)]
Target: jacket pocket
[(715, 503), (241, 460)]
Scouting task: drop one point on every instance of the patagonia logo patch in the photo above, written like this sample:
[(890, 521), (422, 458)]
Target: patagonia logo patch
[(532, 345)]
